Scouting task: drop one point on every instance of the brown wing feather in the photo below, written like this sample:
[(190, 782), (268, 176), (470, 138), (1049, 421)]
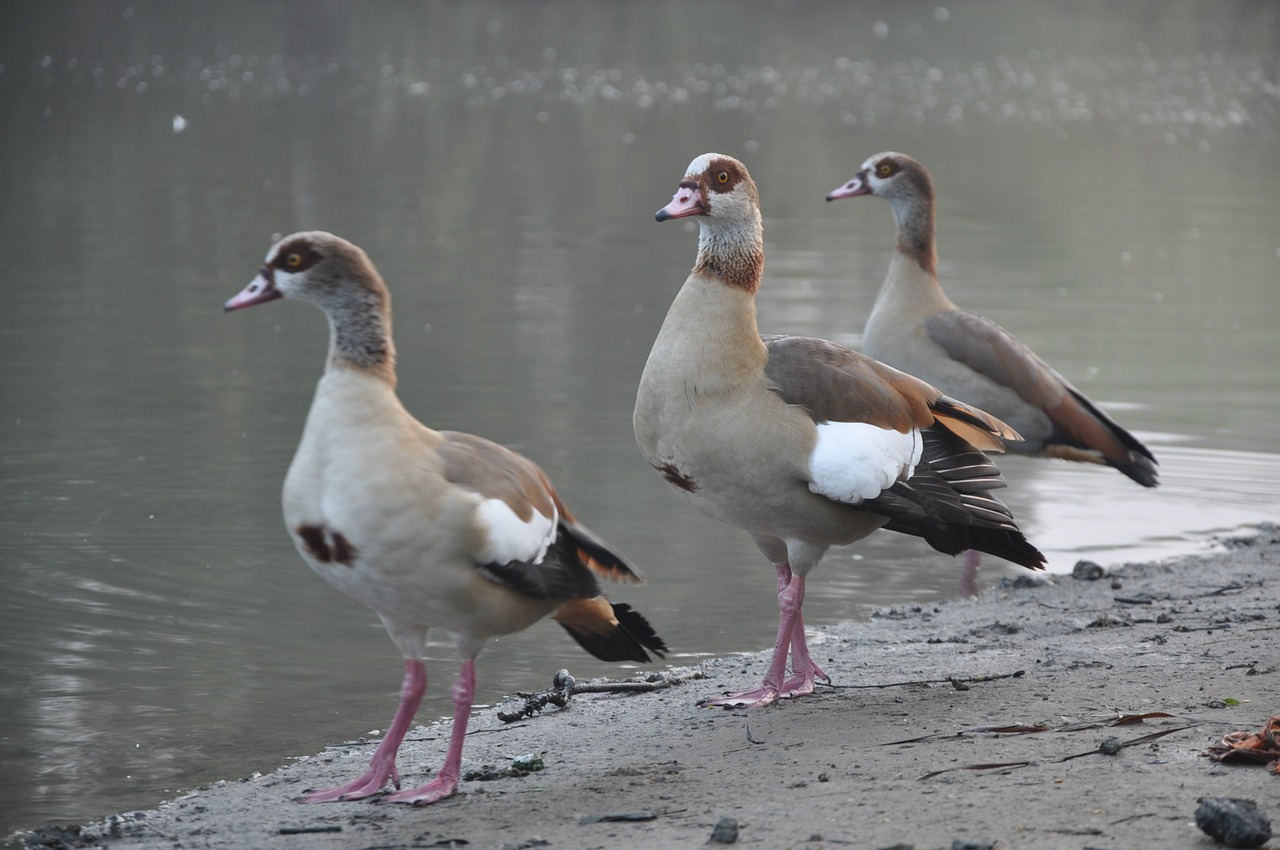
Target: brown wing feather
[(496, 472), (593, 552), (993, 352), (576, 556), (947, 501), (976, 427), (838, 385)]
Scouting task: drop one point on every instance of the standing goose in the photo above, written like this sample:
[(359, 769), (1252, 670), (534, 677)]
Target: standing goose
[(800, 442), (915, 327), (431, 529)]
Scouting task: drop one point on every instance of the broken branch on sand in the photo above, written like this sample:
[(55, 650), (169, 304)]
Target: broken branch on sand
[(563, 686), (955, 682)]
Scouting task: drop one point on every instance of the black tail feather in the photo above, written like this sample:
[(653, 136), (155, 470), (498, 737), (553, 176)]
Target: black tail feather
[(628, 640), (1141, 464), (948, 502)]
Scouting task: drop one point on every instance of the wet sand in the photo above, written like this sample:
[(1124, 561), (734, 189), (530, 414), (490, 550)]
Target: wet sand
[(901, 752)]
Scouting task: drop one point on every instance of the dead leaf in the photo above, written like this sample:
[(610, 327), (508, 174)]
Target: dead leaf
[(1262, 747)]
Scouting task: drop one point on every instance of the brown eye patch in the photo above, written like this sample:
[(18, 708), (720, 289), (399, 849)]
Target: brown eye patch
[(296, 256), (724, 176), (887, 168)]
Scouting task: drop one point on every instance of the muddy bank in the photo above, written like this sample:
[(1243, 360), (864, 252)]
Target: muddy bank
[(901, 751)]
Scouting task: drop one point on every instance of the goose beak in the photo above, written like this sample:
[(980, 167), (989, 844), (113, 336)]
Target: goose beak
[(857, 186), (259, 291), (687, 201)]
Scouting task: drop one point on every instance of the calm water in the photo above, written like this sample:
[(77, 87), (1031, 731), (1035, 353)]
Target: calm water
[(1108, 189)]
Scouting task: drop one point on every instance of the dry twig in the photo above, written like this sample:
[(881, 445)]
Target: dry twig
[(563, 686), (955, 682)]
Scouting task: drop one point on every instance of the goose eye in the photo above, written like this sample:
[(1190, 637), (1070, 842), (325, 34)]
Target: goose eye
[(293, 260), (884, 169), (722, 177)]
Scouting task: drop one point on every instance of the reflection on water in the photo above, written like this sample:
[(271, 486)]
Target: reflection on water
[(1117, 207)]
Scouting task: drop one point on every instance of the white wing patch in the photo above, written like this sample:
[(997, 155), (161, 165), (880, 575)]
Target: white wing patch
[(854, 461), (510, 538)]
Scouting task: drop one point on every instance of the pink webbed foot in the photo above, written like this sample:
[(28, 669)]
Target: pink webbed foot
[(446, 783), (434, 791), (368, 784), (382, 767), (790, 639), (754, 698), (798, 684), (801, 683)]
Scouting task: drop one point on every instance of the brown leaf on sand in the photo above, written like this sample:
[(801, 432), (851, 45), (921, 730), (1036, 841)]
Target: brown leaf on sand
[(1261, 747)]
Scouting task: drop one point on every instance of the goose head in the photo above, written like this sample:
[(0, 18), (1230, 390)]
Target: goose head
[(339, 278), (312, 266), (717, 187), (895, 177)]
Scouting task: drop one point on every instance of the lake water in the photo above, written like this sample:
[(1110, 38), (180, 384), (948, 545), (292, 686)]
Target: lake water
[(1108, 190)]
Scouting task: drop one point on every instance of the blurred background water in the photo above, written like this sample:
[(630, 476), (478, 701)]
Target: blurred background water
[(1108, 190)]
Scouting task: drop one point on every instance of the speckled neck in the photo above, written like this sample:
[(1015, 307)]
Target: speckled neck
[(732, 253), (360, 332)]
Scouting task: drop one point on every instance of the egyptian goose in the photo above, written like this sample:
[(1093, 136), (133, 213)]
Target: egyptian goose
[(431, 529), (800, 442), (915, 327)]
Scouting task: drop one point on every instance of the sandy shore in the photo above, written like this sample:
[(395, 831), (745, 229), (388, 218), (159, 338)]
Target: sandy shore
[(895, 755)]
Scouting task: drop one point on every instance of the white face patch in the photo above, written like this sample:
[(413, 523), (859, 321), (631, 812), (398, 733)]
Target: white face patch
[(873, 160), (701, 164), (509, 538), (874, 179), (289, 283), (855, 461)]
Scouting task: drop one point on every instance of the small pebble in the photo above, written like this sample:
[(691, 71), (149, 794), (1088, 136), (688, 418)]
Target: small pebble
[(1021, 583), (725, 832), (1109, 746), (1087, 571), (528, 763), (966, 844), (1234, 822)]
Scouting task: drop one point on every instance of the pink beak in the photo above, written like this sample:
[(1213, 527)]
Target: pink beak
[(857, 186), (259, 291), (686, 201)]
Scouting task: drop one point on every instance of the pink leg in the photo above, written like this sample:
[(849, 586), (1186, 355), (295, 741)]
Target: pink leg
[(446, 783), (969, 578), (790, 599), (383, 765), (803, 668), (784, 575)]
